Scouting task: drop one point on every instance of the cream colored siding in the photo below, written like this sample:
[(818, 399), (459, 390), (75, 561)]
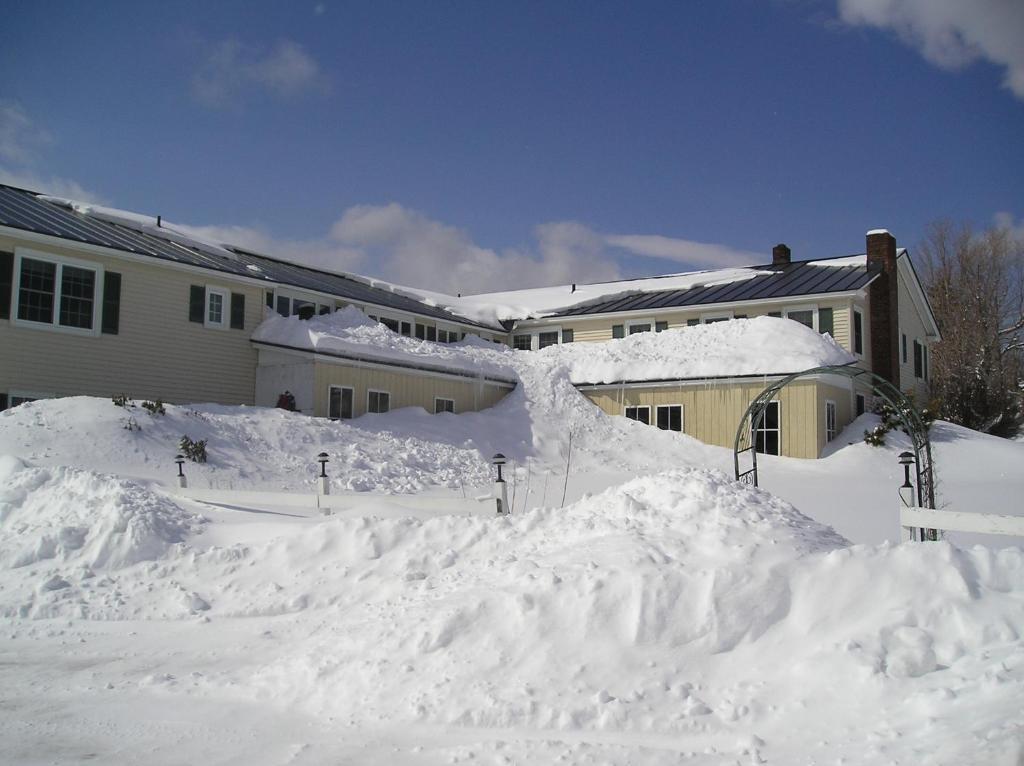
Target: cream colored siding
[(157, 353), (712, 412), (407, 389), (911, 325)]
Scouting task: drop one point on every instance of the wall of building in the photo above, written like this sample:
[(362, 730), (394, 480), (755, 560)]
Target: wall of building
[(309, 380), (912, 325), (712, 411), (592, 330), (157, 353)]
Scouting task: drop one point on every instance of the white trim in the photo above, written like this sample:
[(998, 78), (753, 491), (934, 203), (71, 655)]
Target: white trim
[(225, 309), (856, 311), (813, 308), (629, 323), (59, 261), (377, 391), (777, 429), (917, 294), (444, 399), (341, 388), (682, 416), (835, 420)]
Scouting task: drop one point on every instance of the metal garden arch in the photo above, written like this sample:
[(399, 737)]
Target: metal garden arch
[(906, 414)]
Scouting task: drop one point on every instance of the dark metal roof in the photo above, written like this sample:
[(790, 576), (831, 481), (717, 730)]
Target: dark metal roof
[(21, 209), (791, 280)]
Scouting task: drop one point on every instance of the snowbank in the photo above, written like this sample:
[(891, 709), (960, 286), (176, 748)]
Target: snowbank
[(759, 346), (70, 516)]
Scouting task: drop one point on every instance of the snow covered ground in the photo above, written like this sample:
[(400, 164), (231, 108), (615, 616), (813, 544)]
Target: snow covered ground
[(664, 615)]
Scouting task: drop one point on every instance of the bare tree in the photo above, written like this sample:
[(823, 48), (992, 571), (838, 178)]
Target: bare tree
[(975, 283)]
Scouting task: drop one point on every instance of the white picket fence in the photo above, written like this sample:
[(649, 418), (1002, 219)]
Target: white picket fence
[(914, 518), (338, 502)]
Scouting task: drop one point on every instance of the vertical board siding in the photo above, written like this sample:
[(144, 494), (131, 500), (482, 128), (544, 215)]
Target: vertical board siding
[(406, 389), (157, 352), (712, 412)]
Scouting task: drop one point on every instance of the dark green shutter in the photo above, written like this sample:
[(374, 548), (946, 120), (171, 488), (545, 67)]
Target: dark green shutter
[(566, 336), (776, 314), (6, 283), (692, 322), (237, 311), (618, 331), (110, 322), (270, 299), (660, 326), (825, 323), (3, 402), (196, 303)]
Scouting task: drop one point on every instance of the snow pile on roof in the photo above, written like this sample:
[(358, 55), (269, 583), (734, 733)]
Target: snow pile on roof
[(844, 262), (759, 346), (544, 301), (349, 331), (83, 518)]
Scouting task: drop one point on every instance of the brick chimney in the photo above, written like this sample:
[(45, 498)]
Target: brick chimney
[(780, 255), (883, 295)]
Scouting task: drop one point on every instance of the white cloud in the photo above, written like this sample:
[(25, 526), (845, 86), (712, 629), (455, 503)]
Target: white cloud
[(401, 245), (952, 33), (233, 70), (20, 141), (697, 255)]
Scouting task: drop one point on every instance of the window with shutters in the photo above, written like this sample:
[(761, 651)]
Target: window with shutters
[(216, 308), (640, 414), (670, 417), (55, 292)]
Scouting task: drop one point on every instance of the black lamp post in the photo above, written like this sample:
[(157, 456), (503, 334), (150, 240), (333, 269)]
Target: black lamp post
[(322, 459), (906, 460), (180, 460), (499, 460)]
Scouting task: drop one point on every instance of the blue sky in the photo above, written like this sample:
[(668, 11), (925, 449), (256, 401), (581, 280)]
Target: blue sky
[(465, 146)]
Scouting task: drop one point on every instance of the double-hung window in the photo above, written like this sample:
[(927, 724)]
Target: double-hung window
[(216, 307), (767, 436), (56, 292)]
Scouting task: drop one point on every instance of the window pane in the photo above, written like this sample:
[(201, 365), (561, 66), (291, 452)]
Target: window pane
[(692, 322), (567, 336), (546, 339), (660, 326), (284, 306), (826, 322), (771, 416), (676, 419), (804, 317), (663, 418), (521, 342), (77, 288), (716, 319), (406, 329), (618, 331), (379, 401), (635, 328), (36, 295), (421, 331), (215, 309), (639, 414), (444, 405), (391, 324)]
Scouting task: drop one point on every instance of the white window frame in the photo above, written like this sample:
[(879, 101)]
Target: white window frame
[(813, 308), (59, 261), (637, 407), (777, 429), (853, 333), (705, 318), (682, 417), (631, 322), (225, 314), (830, 404), (444, 399), (377, 391), (341, 388)]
